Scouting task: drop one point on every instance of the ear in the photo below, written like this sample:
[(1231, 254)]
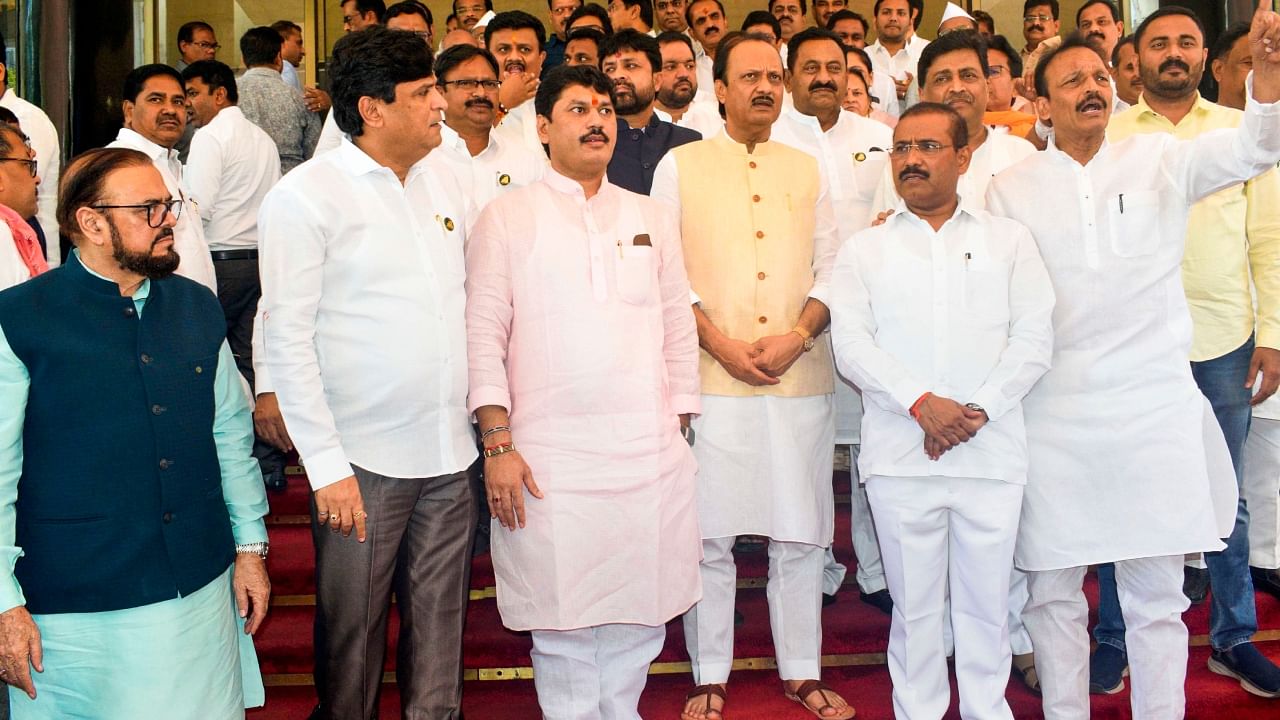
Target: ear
[(1216, 68), (544, 131), (370, 111), (722, 91), (91, 225), (126, 109), (1042, 109), (963, 156)]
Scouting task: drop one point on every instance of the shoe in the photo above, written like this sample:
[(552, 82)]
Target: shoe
[(1257, 675), (738, 619), (275, 482), (1107, 667), (1195, 584), (828, 599), (879, 600), (1267, 581)]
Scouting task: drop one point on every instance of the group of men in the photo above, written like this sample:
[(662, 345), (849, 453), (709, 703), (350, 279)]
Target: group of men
[(644, 274)]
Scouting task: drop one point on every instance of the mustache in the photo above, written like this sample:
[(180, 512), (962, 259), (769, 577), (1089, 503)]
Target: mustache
[(624, 86), (765, 100), (683, 82), (1175, 62), (165, 233), (1095, 34), (478, 101), (1037, 28), (595, 133), (910, 170), (816, 86), (964, 95), (514, 64), (1091, 97)]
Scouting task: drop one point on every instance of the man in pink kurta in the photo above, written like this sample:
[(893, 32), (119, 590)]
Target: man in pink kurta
[(583, 358)]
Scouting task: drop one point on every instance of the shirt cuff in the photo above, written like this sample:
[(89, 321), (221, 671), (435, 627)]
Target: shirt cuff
[(693, 298), (991, 402), (250, 532), (906, 395), (10, 591), (820, 292), (682, 404), (488, 395), (327, 468)]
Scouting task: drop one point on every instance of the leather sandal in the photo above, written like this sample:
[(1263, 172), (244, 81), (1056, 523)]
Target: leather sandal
[(807, 688), (707, 691), (1026, 672)]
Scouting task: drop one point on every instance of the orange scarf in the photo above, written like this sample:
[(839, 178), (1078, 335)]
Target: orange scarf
[(25, 240)]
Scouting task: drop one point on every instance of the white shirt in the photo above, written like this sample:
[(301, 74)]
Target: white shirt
[(362, 314), (13, 270), (1126, 458), (964, 313), (330, 135), (996, 154), (897, 66), (886, 94), (230, 167), (188, 233), (44, 140), (701, 115), (520, 127), (501, 167), (851, 155), (703, 67)]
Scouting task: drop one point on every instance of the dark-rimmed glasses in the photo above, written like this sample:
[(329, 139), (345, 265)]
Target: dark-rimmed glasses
[(156, 211), (31, 164)]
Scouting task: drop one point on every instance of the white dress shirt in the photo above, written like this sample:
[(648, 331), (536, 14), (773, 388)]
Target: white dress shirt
[(188, 233), (520, 127), (501, 167), (230, 167), (963, 312), (701, 115), (704, 69), (362, 313), (851, 155), (897, 66), (44, 140), (999, 152), (330, 135)]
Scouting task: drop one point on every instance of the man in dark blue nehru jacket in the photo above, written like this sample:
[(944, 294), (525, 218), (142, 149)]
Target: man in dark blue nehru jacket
[(130, 506)]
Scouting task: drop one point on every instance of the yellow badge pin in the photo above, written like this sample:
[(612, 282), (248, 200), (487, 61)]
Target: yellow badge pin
[(504, 179)]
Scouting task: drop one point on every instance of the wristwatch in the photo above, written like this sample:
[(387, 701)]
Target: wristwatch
[(256, 548), (976, 406), (686, 431), (804, 335)]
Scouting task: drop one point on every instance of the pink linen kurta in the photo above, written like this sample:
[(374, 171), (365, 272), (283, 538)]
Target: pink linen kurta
[(589, 340)]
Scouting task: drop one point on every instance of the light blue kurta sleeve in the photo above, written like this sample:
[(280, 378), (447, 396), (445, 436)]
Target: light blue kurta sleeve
[(242, 486), (14, 383)]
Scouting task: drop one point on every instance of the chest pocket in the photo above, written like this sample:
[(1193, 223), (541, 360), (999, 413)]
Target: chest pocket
[(1135, 223), (635, 274), (985, 288)]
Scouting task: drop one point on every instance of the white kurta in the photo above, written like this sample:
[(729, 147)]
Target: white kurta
[(12, 269), (1126, 458), (998, 153), (44, 140), (501, 167), (520, 127)]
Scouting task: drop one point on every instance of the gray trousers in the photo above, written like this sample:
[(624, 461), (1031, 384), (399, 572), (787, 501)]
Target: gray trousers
[(419, 545)]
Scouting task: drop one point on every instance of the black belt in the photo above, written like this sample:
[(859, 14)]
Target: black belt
[(234, 254)]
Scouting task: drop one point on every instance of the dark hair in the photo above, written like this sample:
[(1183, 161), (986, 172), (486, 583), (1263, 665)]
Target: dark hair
[(286, 27), (862, 54), (1164, 12), (594, 11), (688, 19), (590, 32), (875, 9), (377, 7), (846, 14), (731, 40), (451, 17), (215, 75), (1053, 6), (84, 181), (958, 130), (1001, 43), (760, 17), (139, 76), (1073, 41), (452, 57), (804, 8), (646, 9), (1128, 40), (963, 39), (409, 7), (516, 20), (488, 5), (918, 6), (8, 118), (1228, 38), (866, 84), (10, 131), (635, 40), (1115, 12), (671, 36), (807, 35), (187, 33), (371, 63), (260, 46), (982, 16), (563, 76)]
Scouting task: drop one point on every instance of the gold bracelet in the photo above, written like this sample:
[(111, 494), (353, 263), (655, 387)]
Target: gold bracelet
[(499, 449)]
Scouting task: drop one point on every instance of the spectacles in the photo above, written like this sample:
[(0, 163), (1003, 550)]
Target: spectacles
[(469, 84), (156, 211), (567, 10), (1028, 19), (31, 164), (926, 148), (207, 45)]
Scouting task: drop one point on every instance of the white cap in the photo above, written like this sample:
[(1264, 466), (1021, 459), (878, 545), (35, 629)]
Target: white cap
[(483, 22), (953, 11)]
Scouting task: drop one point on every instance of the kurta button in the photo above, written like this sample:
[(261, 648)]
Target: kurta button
[(164, 463), (167, 517), (130, 312), (752, 164), (755, 198), (157, 409), (759, 233), (199, 369), (146, 359), (648, 165), (763, 319), (760, 276)]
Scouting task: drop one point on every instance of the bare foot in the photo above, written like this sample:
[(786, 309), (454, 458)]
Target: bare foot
[(704, 702), (819, 699)]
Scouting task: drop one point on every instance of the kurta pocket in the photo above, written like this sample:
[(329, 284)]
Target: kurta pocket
[(635, 273), (1135, 223)]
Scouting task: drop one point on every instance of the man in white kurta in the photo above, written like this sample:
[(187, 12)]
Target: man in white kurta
[(583, 356), (44, 141), (155, 115), (759, 237), (942, 317), (842, 143), (1127, 462)]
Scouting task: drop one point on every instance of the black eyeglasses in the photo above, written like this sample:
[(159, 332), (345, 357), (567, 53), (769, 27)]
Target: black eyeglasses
[(926, 147), (31, 164), (469, 84), (156, 211)]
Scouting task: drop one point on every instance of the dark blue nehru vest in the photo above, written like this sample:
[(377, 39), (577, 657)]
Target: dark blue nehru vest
[(120, 501)]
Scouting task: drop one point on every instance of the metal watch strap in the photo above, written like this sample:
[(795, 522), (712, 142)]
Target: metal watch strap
[(255, 548)]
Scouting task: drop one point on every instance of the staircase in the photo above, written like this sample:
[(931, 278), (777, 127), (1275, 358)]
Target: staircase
[(498, 676)]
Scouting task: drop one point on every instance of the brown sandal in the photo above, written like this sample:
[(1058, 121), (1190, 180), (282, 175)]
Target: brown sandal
[(807, 688), (707, 691), (1027, 672)]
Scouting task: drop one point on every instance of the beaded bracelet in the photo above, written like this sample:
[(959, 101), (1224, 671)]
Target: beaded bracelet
[(492, 450)]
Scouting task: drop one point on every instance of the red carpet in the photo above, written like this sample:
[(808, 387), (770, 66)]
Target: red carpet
[(854, 636)]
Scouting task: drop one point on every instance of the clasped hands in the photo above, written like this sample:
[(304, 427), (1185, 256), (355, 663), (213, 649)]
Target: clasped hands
[(946, 424), (761, 362)]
